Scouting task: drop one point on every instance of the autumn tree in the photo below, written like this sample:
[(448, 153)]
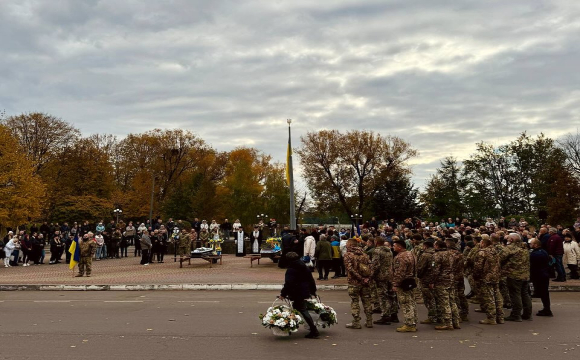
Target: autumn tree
[(41, 135), (162, 157), (21, 190), (443, 194), (571, 146), (82, 173), (243, 185), (350, 166)]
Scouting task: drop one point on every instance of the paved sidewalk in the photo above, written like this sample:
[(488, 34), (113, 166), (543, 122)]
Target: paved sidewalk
[(128, 274)]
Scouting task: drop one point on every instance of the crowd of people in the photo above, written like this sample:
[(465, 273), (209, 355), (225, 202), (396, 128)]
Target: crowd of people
[(27, 246), (388, 266)]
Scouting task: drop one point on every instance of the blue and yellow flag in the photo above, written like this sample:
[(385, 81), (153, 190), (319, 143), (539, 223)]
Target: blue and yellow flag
[(75, 253)]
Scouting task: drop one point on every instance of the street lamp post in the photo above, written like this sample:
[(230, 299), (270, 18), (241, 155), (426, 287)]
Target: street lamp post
[(117, 212), (356, 218), (261, 217)]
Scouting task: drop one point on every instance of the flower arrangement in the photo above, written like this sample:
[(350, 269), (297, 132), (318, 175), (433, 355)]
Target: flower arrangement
[(216, 245), (326, 314), (272, 244), (281, 318)]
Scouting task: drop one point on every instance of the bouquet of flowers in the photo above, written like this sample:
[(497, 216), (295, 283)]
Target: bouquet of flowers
[(282, 319), (216, 244), (324, 315), (272, 244)]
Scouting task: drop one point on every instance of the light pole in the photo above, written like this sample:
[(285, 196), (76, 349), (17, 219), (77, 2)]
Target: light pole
[(117, 212), (261, 217), (356, 218)]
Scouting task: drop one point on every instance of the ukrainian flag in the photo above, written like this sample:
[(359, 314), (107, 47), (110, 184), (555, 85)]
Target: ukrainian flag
[(75, 252)]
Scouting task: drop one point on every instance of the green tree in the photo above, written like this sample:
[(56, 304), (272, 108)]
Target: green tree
[(443, 194), (396, 198)]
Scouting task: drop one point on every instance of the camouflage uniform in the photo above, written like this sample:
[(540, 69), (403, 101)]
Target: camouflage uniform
[(87, 250), (458, 279), (441, 276), (382, 263), (486, 271), (418, 291), (515, 262), (503, 280), (358, 288), (404, 267), (468, 269), (184, 244), (423, 270)]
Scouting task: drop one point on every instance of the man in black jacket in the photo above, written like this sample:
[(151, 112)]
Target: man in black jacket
[(298, 286), (540, 275)]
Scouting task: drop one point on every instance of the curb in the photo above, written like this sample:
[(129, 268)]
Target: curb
[(194, 287), (149, 287)]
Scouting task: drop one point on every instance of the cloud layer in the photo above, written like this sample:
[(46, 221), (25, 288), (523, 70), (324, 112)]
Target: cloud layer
[(441, 74)]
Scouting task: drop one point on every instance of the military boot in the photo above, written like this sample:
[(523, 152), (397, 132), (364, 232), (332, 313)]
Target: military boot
[(513, 318), (488, 322), (384, 320), (427, 322), (499, 320), (407, 328), (354, 325), (395, 318), (464, 317), (444, 327), (369, 323)]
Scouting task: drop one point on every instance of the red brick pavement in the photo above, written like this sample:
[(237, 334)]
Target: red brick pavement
[(235, 270)]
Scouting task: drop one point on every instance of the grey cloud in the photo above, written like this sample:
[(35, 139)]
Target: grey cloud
[(440, 74)]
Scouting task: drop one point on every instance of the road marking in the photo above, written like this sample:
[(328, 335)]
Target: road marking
[(123, 301), (51, 301)]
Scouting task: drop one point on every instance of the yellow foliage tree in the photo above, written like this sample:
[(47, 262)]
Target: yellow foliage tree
[(21, 190)]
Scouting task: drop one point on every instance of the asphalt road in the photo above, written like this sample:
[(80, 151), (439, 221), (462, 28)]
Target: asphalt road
[(225, 325)]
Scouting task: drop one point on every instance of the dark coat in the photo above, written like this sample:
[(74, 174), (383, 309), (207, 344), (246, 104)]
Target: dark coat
[(556, 245), (539, 265), (299, 283)]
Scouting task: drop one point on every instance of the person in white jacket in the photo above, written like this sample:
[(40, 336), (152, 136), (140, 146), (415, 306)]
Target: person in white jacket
[(309, 249), (571, 255), (8, 249)]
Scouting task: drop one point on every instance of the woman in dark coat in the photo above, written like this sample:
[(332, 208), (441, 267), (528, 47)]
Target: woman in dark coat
[(298, 286)]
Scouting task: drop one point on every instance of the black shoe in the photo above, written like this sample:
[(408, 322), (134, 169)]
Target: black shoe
[(320, 278), (470, 295), (394, 318), (377, 311), (544, 313), (527, 317), (335, 277), (313, 335), (507, 306)]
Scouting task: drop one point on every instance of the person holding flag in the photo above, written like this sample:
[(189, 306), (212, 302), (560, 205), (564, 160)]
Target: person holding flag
[(82, 254)]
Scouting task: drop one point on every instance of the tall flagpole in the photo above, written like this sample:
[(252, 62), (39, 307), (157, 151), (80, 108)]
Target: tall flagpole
[(291, 176)]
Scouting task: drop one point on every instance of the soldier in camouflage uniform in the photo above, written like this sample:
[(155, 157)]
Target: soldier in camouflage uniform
[(87, 247), (497, 244), (441, 281), (404, 266), (423, 271), (458, 279), (184, 244), (469, 262), (486, 271), (417, 242), (358, 274), (515, 262), (382, 262)]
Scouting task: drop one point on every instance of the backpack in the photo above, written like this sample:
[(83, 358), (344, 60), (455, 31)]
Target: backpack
[(364, 270)]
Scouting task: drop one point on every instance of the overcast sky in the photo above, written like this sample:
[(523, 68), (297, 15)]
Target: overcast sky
[(441, 74)]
